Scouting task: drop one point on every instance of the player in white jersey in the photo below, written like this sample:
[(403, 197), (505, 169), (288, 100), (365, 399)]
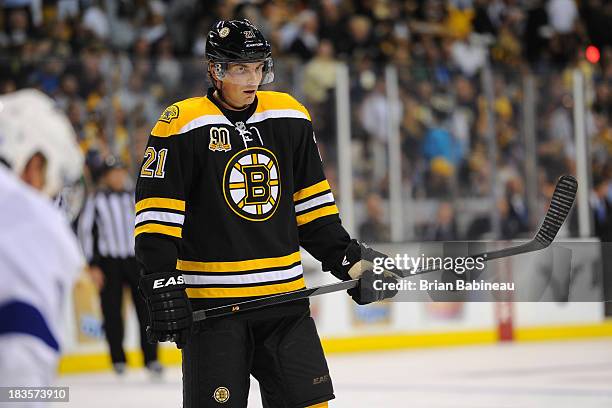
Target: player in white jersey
[(39, 255)]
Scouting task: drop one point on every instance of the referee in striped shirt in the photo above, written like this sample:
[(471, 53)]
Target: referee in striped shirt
[(106, 232)]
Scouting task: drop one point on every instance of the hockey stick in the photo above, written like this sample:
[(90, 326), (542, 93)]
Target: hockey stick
[(560, 206)]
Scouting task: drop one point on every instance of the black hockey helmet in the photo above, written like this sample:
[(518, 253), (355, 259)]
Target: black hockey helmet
[(235, 41)]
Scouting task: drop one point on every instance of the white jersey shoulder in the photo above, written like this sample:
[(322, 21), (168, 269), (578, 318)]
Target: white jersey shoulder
[(39, 255)]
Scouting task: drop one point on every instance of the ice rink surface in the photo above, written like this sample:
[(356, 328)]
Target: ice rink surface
[(546, 374)]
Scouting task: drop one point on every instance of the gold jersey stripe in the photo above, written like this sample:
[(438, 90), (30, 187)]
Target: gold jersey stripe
[(158, 229), (246, 291), (310, 191), (318, 213), (270, 100), (158, 202), (238, 266)]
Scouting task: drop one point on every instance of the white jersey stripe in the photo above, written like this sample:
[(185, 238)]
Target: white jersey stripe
[(203, 121), (257, 117), (325, 198), (85, 227), (106, 235), (255, 277), (160, 216), (128, 217), (117, 216), (275, 114)]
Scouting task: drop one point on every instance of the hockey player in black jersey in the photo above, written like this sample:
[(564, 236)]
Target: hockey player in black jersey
[(230, 187)]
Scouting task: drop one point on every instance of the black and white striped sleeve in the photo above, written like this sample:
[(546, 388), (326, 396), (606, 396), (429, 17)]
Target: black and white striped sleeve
[(87, 231)]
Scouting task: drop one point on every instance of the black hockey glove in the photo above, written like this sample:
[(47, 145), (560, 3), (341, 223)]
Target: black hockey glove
[(357, 263), (373, 288), (170, 314)]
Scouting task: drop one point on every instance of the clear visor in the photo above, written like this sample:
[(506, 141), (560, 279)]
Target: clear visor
[(245, 73), (71, 199)]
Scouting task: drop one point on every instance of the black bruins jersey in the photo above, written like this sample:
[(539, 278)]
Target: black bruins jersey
[(228, 197)]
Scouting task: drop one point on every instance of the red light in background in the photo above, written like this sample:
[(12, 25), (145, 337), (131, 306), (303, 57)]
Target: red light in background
[(592, 54)]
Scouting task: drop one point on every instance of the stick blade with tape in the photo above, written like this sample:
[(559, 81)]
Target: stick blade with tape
[(560, 205)]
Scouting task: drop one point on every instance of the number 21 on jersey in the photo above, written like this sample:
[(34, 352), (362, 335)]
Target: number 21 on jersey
[(152, 156)]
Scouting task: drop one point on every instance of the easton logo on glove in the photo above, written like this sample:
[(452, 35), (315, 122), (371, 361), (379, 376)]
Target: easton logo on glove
[(170, 314), (172, 281)]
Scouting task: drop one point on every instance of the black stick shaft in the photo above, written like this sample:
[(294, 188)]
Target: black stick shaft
[(561, 203), (340, 286), (273, 300)]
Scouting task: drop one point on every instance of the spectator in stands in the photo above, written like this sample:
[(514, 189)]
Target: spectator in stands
[(601, 148), (602, 215), (318, 85), (597, 15), (300, 37), (602, 208), (154, 28), (68, 91), (439, 178), (320, 74), (168, 69), (360, 41), (515, 221), (439, 142), (95, 20), (536, 33), (18, 29), (330, 19), (411, 130), (562, 17), (469, 54), (445, 226), (374, 117), (463, 115), (374, 229)]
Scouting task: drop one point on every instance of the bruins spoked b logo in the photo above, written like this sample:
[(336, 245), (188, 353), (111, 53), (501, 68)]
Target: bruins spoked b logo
[(221, 395), (251, 183)]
